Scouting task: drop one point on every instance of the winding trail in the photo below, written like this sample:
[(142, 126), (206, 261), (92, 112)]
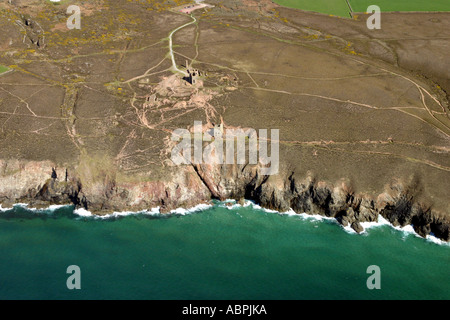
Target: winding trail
[(172, 57)]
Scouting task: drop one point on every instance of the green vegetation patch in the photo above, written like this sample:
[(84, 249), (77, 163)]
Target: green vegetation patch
[(334, 7), (341, 8), (3, 69), (401, 5)]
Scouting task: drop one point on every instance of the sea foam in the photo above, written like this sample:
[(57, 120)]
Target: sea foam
[(88, 214), (152, 212), (232, 204), (197, 208), (406, 230), (50, 209)]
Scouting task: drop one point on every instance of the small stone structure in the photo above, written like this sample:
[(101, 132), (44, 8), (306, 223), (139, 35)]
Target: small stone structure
[(188, 9), (192, 74)]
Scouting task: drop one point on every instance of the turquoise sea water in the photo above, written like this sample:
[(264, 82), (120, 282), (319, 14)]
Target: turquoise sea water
[(216, 253)]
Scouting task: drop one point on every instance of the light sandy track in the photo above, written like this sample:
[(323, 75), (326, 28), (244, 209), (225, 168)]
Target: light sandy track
[(172, 57)]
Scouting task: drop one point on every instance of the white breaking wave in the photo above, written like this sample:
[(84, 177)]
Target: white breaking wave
[(152, 212), (290, 212), (409, 230), (82, 212), (257, 207), (199, 207), (54, 207), (315, 217), (50, 208), (88, 214), (368, 225), (4, 209), (406, 230), (432, 238)]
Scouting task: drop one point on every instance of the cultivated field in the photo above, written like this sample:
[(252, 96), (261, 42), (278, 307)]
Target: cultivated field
[(341, 7), (335, 7), (401, 5)]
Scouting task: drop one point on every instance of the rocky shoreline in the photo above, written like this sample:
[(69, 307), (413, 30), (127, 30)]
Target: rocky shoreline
[(87, 117), (39, 185)]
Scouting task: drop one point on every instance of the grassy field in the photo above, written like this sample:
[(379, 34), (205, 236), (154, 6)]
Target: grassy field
[(335, 7), (340, 7), (401, 5), (3, 69)]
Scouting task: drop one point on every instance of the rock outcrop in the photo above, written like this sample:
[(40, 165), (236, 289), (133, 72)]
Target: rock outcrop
[(90, 120), (37, 184)]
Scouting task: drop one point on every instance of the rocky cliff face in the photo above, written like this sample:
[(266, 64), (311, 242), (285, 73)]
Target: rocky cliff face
[(91, 124), (39, 185), (283, 192)]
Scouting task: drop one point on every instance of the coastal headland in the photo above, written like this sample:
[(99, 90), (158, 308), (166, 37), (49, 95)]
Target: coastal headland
[(87, 115)]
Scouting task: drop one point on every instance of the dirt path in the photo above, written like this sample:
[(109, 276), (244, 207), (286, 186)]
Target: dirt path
[(174, 64)]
